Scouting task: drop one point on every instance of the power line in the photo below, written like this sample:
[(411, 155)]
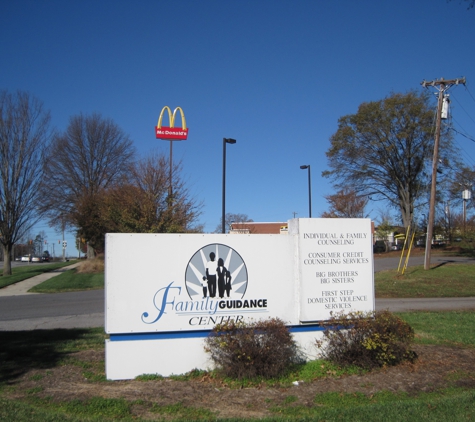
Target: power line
[(469, 93), (468, 156), (463, 108), (460, 133)]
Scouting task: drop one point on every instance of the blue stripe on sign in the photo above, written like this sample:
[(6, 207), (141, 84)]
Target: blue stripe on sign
[(159, 336), (305, 328), (195, 334)]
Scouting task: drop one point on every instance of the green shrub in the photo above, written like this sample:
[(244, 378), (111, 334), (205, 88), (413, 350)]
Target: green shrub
[(367, 340), (255, 349)]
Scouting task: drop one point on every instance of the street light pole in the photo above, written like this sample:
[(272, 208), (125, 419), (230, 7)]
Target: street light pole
[(309, 190), (225, 141)]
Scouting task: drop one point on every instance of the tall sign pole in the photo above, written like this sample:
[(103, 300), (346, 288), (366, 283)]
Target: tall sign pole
[(171, 133), (443, 86)]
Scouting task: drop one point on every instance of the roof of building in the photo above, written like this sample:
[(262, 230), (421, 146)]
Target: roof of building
[(252, 227)]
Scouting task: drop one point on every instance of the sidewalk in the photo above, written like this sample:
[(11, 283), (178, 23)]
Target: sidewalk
[(22, 287), (426, 304)]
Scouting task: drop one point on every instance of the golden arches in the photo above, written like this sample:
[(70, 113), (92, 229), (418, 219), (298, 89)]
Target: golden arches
[(171, 117)]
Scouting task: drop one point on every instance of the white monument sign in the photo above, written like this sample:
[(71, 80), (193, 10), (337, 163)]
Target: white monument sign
[(336, 266), (165, 292)]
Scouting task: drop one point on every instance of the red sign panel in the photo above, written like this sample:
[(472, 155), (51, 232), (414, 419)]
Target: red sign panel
[(171, 133)]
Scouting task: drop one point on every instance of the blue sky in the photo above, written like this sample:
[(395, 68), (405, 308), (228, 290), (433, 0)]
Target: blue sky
[(275, 75)]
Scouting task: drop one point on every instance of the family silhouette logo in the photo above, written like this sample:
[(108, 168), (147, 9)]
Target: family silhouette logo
[(216, 271)]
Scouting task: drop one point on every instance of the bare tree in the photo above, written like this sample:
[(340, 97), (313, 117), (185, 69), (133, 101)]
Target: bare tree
[(90, 156), (232, 218), (38, 243), (24, 136), (346, 204), (166, 214)]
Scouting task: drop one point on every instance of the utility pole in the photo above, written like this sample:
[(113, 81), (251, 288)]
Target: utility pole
[(442, 86)]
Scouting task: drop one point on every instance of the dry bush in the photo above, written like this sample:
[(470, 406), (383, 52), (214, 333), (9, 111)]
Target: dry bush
[(367, 340), (95, 265), (253, 349)]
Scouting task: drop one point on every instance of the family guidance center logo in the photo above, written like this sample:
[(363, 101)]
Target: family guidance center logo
[(216, 281), (216, 271)]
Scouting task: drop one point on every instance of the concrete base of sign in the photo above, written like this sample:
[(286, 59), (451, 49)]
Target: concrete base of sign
[(127, 359)]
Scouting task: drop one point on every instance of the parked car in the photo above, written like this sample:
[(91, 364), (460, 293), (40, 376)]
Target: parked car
[(379, 246), (46, 258), (25, 258), (35, 259)]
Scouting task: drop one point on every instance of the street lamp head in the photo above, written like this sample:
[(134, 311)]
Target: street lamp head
[(307, 167), (225, 141)]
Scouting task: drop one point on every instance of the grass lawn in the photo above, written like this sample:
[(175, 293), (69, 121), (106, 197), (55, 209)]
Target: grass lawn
[(27, 271), (71, 281), (454, 328), (449, 280)]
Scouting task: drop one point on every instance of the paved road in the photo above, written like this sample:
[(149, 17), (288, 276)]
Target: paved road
[(20, 310), (381, 264), (60, 310)]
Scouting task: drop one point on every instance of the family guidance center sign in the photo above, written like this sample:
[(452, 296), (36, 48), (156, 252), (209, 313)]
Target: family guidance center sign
[(164, 293)]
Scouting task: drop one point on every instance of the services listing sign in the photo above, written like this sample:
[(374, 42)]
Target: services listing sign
[(335, 265)]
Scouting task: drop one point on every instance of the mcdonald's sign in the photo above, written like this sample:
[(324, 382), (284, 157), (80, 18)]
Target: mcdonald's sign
[(171, 133)]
